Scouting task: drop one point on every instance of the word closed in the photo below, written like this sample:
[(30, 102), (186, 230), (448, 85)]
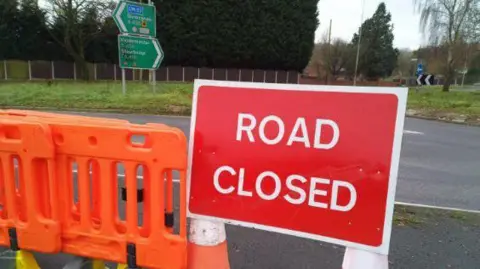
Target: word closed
[(308, 161), (301, 195)]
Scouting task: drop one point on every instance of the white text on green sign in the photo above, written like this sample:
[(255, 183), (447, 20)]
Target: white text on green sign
[(139, 52), (135, 18)]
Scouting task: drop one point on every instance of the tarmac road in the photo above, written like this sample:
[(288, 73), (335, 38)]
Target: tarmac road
[(439, 164)]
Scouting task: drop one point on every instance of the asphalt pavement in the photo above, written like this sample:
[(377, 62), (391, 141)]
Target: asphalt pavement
[(439, 163), (421, 239)]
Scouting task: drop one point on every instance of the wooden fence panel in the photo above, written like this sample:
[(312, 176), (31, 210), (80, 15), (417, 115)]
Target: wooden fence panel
[(64, 70), (105, 71), (161, 74), (258, 75), (206, 73), (233, 74), (175, 73), (281, 76), (220, 74), (246, 75), (42, 69), (270, 76), (191, 73)]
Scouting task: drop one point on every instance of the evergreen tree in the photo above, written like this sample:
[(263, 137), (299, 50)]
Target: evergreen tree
[(8, 29), (377, 57), (33, 40), (267, 34)]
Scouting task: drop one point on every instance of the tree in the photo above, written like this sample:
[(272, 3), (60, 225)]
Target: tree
[(335, 56), (448, 23), (34, 41), (377, 56), (76, 23), (8, 29), (405, 67), (269, 34)]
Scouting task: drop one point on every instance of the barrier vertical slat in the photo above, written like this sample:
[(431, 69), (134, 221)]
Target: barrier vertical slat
[(65, 197), (30, 193), (84, 193), (107, 195), (11, 200), (132, 210), (52, 199), (3, 210), (145, 229), (157, 205), (169, 194), (96, 192)]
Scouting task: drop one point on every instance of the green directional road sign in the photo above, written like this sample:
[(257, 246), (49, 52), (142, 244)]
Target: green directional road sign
[(135, 18), (137, 52)]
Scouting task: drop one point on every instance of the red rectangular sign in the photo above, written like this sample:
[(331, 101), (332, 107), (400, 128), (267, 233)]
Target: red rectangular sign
[(319, 162)]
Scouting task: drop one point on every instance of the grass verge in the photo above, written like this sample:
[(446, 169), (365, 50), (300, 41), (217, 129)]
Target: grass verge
[(460, 105), (170, 98), (416, 216), (176, 98)]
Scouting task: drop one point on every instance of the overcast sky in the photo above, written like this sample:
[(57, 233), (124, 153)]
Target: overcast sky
[(346, 17)]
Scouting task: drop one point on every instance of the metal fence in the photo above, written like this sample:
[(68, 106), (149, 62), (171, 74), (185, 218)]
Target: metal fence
[(56, 70)]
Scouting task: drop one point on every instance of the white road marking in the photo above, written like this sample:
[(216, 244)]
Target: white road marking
[(412, 132), (438, 207), (176, 180)]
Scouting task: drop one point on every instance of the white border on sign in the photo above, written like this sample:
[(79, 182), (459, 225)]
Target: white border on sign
[(401, 94)]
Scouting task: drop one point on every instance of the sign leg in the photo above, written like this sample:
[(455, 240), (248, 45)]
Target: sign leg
[(154, 81), (124, 83), (361, 259)]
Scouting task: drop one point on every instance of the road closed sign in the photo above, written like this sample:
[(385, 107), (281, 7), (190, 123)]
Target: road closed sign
[(318, 162)]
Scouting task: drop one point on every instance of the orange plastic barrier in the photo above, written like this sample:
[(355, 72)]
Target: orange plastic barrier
[(29, 213), (55, 117), (92, 227)]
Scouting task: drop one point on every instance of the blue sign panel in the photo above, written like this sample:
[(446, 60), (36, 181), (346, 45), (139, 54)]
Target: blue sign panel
[(419, 69), (134, 9)]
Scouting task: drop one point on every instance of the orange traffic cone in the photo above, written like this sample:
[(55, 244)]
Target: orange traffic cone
[(361, 259), (207, 245)]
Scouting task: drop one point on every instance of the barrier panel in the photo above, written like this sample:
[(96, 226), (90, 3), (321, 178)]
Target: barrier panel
[(110, 236), (29, 214), (55, 118), (91, 226)]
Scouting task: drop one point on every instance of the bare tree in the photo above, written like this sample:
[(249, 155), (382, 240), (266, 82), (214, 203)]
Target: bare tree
[(329, 58), (405, 66), (446, 22), (336, 56), (75, 23)]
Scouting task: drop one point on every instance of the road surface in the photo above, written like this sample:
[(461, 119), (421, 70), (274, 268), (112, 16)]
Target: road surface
[(439, 163)]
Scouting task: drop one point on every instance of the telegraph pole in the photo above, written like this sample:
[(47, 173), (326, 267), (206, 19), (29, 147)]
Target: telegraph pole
[(329, 62)]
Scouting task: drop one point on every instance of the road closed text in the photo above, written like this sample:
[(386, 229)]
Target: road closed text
[(318, 188), (300, 189)]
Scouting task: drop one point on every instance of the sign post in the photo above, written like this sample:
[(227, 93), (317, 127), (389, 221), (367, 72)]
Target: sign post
[(138, 47), (317, 162)]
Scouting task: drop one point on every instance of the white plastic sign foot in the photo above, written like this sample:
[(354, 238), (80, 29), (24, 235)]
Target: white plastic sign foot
[(361, 259)]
